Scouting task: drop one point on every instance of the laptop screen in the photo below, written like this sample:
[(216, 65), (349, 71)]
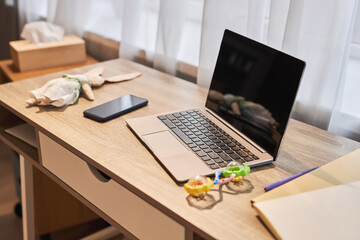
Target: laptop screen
[(253, 88)]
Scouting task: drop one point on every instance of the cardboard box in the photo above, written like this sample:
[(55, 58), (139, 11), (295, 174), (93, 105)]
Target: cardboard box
[(27, 56)]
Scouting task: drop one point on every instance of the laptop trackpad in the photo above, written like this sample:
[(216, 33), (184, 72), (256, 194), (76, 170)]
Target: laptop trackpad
[(164, 144)]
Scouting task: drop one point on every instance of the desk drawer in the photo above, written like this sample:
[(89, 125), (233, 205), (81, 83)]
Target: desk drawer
[(127, 209)]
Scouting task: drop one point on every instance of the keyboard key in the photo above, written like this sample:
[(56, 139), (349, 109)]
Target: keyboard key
[(224, 156), (227, 141), (196, 139), (248, 159), (214, 166), (234, 156), (199, 143), (170, 116), (217, 150), (169, 124), (192, 145), (206, 158), (236, 148), (181, 135), (201, 136), (207, 150), (177, 115), (209, 162), (195, 149), (183, 113), (209, 143), (206, 140), (229, 151), (222, 164), (200, 153), (241, 153), (255, 157), (246, 150), (224, 147), (213, 155), (162, 117), (213, 147), (231, 144), (191, 136), (218, 160), (203, 146)]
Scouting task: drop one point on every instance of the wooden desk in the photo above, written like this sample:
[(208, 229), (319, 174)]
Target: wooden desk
[(65, 210), (8, 72), (141, 200)]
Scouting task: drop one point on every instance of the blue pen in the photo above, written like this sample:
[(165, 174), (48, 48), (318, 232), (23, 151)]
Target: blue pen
[(281, 182)]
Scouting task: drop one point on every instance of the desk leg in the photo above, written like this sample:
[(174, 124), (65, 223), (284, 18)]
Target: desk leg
[(27, 199), (189, 234)]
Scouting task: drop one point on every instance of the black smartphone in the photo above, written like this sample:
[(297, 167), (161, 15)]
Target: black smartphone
[(115, 108)]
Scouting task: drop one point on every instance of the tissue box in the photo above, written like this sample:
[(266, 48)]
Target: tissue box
[(27, 56)]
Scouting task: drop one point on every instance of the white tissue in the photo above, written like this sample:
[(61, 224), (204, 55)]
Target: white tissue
[(37, 32)]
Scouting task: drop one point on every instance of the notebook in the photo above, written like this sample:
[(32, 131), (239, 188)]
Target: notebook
[(343, 170), (248, 105), (327, 213)]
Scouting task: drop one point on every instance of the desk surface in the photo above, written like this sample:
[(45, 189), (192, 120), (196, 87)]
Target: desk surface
[(114, 149)]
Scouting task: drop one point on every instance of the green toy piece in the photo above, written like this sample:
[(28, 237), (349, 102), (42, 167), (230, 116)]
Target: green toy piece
[(238, 170)]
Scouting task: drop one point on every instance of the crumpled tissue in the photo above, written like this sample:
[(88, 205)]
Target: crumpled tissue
[(38, 32)]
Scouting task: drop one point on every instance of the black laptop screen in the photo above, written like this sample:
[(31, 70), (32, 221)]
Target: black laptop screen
[(253, 88)]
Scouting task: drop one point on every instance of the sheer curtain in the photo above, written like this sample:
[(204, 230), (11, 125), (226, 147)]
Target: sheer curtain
[(169, 35), (152, 31), (319, 32)]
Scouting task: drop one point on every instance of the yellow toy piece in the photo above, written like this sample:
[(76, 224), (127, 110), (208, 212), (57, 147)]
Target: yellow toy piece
[(237, 179), (198, 186)]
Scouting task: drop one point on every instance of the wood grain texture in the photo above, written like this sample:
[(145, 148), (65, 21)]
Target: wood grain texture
[(113, 148)]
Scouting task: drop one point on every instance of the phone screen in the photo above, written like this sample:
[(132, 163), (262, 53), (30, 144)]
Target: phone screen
[(115, 108)]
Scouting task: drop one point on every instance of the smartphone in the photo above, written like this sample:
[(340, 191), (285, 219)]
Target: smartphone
[(115, 108)]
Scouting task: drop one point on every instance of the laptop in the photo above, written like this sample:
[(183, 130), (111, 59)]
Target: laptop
[(248, 106)]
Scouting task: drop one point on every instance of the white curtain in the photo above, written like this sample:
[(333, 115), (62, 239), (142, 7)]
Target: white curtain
[(152, 32), (319, 32)]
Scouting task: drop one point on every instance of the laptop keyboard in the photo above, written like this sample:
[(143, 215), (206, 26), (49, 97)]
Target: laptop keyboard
[(210, 143)]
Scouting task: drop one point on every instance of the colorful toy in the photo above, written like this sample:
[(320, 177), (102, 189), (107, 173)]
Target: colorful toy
[(199, 185), (240, 170)]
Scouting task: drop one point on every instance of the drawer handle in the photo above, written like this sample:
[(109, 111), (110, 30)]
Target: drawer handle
[(100, 175)]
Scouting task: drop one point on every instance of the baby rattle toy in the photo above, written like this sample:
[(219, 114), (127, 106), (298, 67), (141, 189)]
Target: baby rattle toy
[(199, 185)]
